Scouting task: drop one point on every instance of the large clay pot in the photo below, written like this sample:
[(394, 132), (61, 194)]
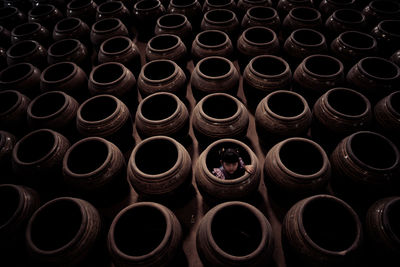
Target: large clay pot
[(235, 234), (145, 234), (345, 20), (301, 17), (30, 31), (71, 27), (7, 143), (94, 169), (280, 115), (67, 77), (67, 232), (177, 24), (339, 113), (378, 10), (327, 7), (160, 176), (387, 115), (214, 189), (13, 106), (212, 43), (285, 6), (221, 19), (29, 51), (321, 230), (162, 113), (244, 5), (105, 29), (167, 46), (114, 9), (387, 34), (45, 14), (190, 8), (218, 4), (261, 16), (145, 13), (11, 17), (82, 9), (108, 117), (214, 75)]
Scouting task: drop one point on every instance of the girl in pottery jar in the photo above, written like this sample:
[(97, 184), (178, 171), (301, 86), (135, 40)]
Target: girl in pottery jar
[(232, 165)]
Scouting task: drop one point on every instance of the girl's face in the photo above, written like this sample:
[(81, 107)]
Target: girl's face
[(230, 167)]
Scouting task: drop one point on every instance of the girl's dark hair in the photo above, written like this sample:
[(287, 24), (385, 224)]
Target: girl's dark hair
[(229, 155)]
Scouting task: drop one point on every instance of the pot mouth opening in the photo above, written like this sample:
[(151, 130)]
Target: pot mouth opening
[(347, 102), (214, 67), (286, 104), (159, 70), (23, 48), (16, 72), (212, 38), (349, 16), (259, 35), (391, 219), (98, 108), (58, 72), (219, 15), (308, 37), (358, 40), (262, 13), (77, 4), (183, 3), (379, 68), (116, 45), (67, 24), (108, 73), (158, 107), (394, 102), (147, 4), (41, 10), (164, 42), (305, 14), (47, 105), (384, 6), (35, 146), (63, 47), (323, 65), (26, 29), (109, 7), (391, 27), (172, 20), (107, 24), (219, 106), (8, 100)]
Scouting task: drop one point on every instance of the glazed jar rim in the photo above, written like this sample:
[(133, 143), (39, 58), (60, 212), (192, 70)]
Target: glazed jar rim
[(217, 5), (173, 4), (351, 212), (286, 118), (164, 120), (20, 205), (301, 19), (243, 35), (306, 70), (145, 78), (22, 42), (31, 70), (275, 13), (372, 46), (118, 25), (212, 46), (261, 220), (52, 9), (201, 74), (385, 219), (74, 71), (161, 245), (56, 29), (38, 27), (53, 115), (213, 22), (364, 72), (129, 46), (294, 40), (171, 170), (71, 242), (15, 106), (121, 6), (351, 154), (234, 117), (335, 16), (388, 21), (178, 42), (120, 78), (373, 7), (185, 20), (89, 3), (78, 45), (149, 8), (285, 72)]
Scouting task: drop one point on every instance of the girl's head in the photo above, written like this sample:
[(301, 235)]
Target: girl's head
[(230, 160)]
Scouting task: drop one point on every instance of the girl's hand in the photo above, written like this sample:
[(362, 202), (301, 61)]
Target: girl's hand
[(249, 168)]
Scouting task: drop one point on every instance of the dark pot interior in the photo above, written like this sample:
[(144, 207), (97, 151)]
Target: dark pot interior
[(159, 70), (158, 107), (8, 99), (220, 15), (214, 67), (357, 40), (219, 107), (9, 202), (58, 72), (35, 146), (171, 20), (259, 35), (322, 65), (348, 15), (212, 38), (268, 66), (347, 102), (379, 68), (308, 37), (48, 104), (262, 12), (16, 72), (162, 42), (285, 104), (98, 108), (23, 48), (67, 24), (115, 45), (87, 156), (108, 73)]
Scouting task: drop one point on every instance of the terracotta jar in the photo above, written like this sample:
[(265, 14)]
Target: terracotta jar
[(387, 34), (217, 116), (263, 75), (285, 6), (145, 13), (366, 162), (162, 113), (345, 20), (94, 169), (27, 51), (123, 50), (256, 41), (162, 75), (13, 112), (212, 43), (221, 19), (7, 143), (216, 190), (387, 115), (11, 17), (114, 9), (214, 75), (69, 50), (22, 77), (45, 14), (280, 115), (84, 10), (328, 230), (177, 24), (248, 240), (301, 17), (66, 77), (351, 46), (105, 29), (316, 75), (218, 4), (160, 176), (339, 113), (64, 230), (190, 8), (108, 117), (244, 5), (378, 10), (327, 7), (261, 16), (302, 43), (167, 46), (5, 36), (374, 77), (71, 27), (53, 110), (30, 31), (115, 79), (145, 234)]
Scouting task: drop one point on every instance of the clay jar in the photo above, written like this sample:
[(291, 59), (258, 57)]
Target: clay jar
[(94, 169), (45, 14), (280, 115), (212, 43), (162, 75), (367, 162), (382, 236), (379, 10), (345, 20), (27, 51), (115, 79), (113, 9), (351, 46), (69, 50), (160, 176), (23, 77), (82, 9), (145, 13), (316, 75), (218, 4), (374, 77), (285, 6), (177, 24), (53, 110), (145, 234), (301, 17), (123, 50), (190, 8), (303, 43), (261, 16), (66, 77), (214, 75), (108, 117), (235, 233), (71, 27), (223, 20), (328, 230), (215, 190), (327, 7), (387, 34), (7, 143), (37, 160), (244, 5), (217, 116), (339, 113), (387, 115), (256, 41), (30, 31), (295, 168), (13, 111), (11, 17), (167, 46), (65, 230), (105, 29), (162, 113), (263, 75)]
